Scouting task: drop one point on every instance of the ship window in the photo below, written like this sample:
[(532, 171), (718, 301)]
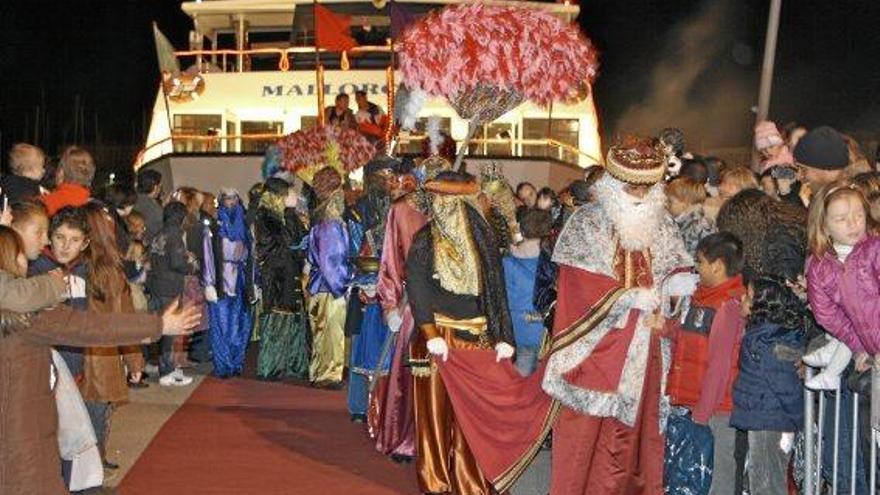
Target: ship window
[(495, 132), (563, 130), (258, 145), (191, 128), (231, 144), (415, 146)]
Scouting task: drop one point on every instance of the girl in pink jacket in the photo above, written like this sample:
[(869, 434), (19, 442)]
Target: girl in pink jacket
[(843, 281)]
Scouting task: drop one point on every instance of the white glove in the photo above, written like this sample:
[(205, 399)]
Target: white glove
[(437, 346), (211, 294), (646, 300), (394, 320), (681, 284), (786, 442), (503, 351)]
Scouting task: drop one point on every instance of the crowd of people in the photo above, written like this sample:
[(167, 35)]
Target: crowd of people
[(650, 324)]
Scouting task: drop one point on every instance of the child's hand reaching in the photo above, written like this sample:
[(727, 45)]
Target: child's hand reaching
[(799, 287)]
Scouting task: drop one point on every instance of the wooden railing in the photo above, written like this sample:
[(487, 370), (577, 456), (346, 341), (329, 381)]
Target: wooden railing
[(283, 54)]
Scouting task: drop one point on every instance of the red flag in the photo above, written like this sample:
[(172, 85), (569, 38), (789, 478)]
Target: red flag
[(332, 30)]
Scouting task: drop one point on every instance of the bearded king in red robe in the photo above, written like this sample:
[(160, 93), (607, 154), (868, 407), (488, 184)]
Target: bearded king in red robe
[(607, 365)]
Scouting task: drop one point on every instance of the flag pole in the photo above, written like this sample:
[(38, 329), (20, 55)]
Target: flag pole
[(166, 72), (764, 90), (319, 69), (390, 94)]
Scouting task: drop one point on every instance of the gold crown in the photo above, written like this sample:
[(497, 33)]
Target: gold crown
[(636, 162)]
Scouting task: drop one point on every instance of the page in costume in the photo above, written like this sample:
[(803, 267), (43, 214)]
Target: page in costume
[(391, 413), (328, 280), (368, 339), (230, 315), (285, 350)]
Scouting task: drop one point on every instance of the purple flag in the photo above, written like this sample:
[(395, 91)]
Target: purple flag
[(400, 18)]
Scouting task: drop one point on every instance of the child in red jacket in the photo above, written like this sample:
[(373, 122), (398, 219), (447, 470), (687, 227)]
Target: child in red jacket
[(704, 362)]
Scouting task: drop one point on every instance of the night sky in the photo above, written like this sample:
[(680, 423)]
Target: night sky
[(826, 73)]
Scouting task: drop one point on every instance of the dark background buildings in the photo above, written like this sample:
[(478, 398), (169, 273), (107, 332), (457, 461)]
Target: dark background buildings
[(688, 63)]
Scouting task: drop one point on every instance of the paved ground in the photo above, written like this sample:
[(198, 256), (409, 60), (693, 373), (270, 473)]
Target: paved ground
[(137, 422), (536, 479)]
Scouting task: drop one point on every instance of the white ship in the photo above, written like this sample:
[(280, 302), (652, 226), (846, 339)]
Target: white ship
[(250, 78)]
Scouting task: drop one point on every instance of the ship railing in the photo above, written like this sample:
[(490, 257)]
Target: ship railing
[(407, 144), (221, 57), (837, 422)]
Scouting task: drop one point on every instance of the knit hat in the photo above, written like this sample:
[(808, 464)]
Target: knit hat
[(767, 135), (822, 148), (227, 192), (637, 161)]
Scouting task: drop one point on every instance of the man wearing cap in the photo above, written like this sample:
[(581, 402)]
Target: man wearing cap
[(822, 155), (457, 295), (607, 363)]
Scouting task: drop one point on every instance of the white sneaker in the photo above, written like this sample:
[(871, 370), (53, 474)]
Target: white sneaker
[(821, 356), (151, 369), (824, 381), (175, 380)]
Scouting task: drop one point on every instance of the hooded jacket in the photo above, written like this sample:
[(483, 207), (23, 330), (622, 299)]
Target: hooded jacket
[(768, 393), (845, 296)]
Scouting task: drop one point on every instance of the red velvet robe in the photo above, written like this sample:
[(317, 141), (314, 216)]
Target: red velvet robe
[(596, 454), (391, 404)]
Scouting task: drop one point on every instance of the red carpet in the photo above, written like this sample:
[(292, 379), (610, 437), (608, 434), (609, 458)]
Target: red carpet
[(250, 437)]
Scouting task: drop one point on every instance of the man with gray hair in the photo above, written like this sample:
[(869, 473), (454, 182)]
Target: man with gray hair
[(74, 179), (27, 166)]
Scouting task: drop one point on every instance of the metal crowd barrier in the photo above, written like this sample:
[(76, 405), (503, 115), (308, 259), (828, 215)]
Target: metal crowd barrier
[(814, 432)]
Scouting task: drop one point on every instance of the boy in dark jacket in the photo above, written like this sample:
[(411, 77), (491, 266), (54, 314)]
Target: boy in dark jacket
[(68, 240), (706, 346)]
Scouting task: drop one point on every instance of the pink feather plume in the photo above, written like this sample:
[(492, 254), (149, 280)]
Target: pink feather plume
[(524, 50)]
